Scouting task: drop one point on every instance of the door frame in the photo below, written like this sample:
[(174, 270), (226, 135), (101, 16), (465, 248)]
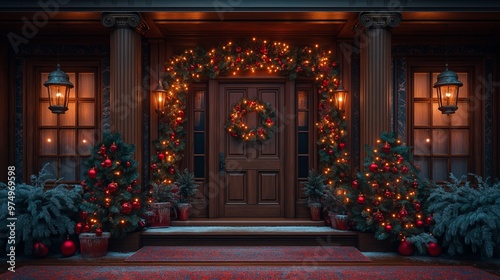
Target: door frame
[(215, 178)]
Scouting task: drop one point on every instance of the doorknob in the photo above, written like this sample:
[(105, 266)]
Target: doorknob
[(222, 162)]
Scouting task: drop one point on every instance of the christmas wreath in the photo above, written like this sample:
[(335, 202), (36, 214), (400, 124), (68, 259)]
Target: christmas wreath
[(238, 129)]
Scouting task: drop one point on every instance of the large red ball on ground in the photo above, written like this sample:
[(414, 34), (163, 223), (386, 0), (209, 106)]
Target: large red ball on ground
[(68, 248), (433, 249), (405, 248), (40, 250)]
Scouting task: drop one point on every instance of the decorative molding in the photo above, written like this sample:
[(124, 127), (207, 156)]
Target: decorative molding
[(131, 20), (382, 20)]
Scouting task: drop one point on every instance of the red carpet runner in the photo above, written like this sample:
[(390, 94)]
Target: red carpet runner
[(248, 254), (249, 272)]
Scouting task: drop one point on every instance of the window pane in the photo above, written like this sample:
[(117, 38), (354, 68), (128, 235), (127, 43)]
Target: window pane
[(459, 167), (86, 85), (68, 169), (47, 118), (52, 166), (439, 169), (199, 99), (438, 118), (460, 118), (303, 166), (423, 164), (199, 167), (463, 92), (421, 114), (422, 142), (44, 92), (302, 121), (68, 118), (86, 114), (72, 79), (303, 140), (199, 143), (422, 87), (459, 142), (440, 142), (85, 141), (302, 100), (82, 169), (199, 121), (67, 145), (48, 141)]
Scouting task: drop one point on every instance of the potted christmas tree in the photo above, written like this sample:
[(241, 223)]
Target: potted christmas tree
[(163, 196), (337, 210), (112, 202), (314, 190), (187, 191)]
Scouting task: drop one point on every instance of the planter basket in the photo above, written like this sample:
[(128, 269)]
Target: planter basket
[(93, 246), (316, 210), (339, 221), (161, 214), (183, 211)]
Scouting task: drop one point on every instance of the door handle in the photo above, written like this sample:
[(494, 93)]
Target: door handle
[(222, 163)]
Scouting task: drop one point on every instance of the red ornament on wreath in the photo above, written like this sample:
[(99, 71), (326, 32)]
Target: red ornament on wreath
[(361, 199), (40, 250), (388, 228), (403, 213), (420, 223), (405, 169), (355, 184), (112, 187), (373, 167), (171, 170), (135, 182), (342, 145), (161, 156), (126, 208), (128, 164), (415, 184), (68, 248)]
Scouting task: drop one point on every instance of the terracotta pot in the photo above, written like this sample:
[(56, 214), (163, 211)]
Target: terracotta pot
[(183, 211), (332, 215), (315, 212), (93, 246), (161, 214)]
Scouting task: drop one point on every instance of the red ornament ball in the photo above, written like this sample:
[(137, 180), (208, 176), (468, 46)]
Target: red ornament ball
[(417, 206), (112, 187), (153, 166), (342, 146), (126, 208), (78, 228), (433, 249), (98, 231), (136, 205), (405, 169), (428, 221), (84, 215), (102, 149), (128, 164), (386, 148), (420, 223), (135, 182), (378, 216), (361, 199), (92, 173), (388, 228), (355, 184), (394, 170), (161, 156), (113, 147), (373, 167), (415, 184), (171, 170), (108, 162), (402, 213), (86, 228), (141, 224), (387, 168), (68, 248), (330, 152), (405, 248), (129, 188), (40, 250)]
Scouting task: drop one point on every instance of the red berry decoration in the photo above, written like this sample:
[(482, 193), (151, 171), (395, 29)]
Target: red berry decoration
[(153, 166), (135, 182), (113, 147), (386, 148), (68, 248), (161, 156), (394, 170), (417, 206), (403, 213), (40, 250), (361, 199), (415, 184), (112, 187), (373, 167), (400, 159), (388, 193), (355, 184), (405, 248), (98, 231), (342, 146), (92, 173), (405, 169), (433, 249), (78, 228), (129, 188), (136, 205), (428, 221), (128, 164), (126, 208), (102, 150), (171, 170), (387, 168), (330, 152), (86, 228)]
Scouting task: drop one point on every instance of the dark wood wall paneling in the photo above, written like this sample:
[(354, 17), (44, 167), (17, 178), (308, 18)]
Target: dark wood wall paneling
[(6, 122)]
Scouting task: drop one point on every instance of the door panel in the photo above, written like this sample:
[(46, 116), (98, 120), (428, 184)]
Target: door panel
[(253, 175)]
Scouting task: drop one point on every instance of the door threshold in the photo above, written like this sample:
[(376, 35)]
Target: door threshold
[(248, 222)]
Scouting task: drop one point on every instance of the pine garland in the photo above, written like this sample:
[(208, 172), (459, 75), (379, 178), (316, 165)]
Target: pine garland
[(467, 216), (42, 215)]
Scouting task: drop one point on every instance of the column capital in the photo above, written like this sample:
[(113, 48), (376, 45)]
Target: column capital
[(130, 20), (382, 20)]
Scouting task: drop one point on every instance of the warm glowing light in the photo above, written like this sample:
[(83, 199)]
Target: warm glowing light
[(428, 140), (49, 140)]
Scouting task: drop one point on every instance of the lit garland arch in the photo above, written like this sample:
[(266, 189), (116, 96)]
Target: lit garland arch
[(250, 56)]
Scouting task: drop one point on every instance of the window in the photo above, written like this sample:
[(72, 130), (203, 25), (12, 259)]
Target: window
[(63, 141), (442, 143)]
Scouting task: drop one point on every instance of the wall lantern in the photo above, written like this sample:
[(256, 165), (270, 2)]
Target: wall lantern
[(447, 87), (340, 96), (160, 97), (58, 86)]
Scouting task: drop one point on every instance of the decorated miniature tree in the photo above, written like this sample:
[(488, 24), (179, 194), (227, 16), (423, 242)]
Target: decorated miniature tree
[(387, 197), (112, 199)]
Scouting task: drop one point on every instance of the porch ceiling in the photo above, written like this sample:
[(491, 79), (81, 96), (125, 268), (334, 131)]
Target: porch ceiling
[(262, 24)]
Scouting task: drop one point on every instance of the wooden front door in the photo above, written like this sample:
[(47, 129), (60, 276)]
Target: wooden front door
[(251, 175)]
